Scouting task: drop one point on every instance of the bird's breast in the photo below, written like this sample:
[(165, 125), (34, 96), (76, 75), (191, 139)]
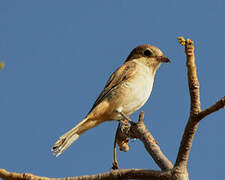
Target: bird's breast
[(138, 92), (131, 94)]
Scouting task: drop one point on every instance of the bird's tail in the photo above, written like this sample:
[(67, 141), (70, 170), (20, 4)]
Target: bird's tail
[(72, 135)]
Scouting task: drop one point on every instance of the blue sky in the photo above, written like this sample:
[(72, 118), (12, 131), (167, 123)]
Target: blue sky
[(58, 56)]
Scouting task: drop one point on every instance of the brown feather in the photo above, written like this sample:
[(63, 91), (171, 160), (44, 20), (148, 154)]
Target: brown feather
[(121, 74)]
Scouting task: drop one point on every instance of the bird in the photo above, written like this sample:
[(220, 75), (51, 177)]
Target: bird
[(126, 91)]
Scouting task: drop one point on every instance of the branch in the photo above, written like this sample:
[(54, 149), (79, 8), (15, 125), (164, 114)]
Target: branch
[(115, 164), (195, 111), (192, 125), (112, 175), (219, 104), (139, 130)]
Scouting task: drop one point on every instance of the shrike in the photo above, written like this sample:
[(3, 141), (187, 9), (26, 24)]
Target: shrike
[(126, 91)]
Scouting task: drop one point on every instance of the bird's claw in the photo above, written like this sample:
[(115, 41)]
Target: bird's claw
[(124, 126), (127, 118)]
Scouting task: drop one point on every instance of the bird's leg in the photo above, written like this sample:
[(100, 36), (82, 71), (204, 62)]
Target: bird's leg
[(129, 120), (126, 118), (125, 123), (124, 126)]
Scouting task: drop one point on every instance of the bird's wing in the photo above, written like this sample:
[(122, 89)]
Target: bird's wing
[(120, 75)]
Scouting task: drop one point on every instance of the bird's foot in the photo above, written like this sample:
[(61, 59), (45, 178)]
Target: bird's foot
[(127, 118), (124, 126)]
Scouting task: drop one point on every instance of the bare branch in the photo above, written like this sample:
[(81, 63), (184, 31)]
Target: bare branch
[(115, 164), (139, 130), (192, 124), (195, 112), (192, 78), (112, 175), (141, 117), (219, 104)]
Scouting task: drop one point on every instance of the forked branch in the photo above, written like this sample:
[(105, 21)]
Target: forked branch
[(219, 104), (196, 114), (139, 131)]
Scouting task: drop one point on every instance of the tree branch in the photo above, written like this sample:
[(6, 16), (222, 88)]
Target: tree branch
[(195, 111), (192, 125), (112, 175), (115, 164), (219, 104), (139, 130)]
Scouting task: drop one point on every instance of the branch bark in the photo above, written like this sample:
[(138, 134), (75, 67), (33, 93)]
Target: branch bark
[(112, 175), (217, 106), (195, 111), (192, 124), (139, 130)]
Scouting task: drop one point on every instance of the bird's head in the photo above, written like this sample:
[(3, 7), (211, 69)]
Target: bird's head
[(149, 55)]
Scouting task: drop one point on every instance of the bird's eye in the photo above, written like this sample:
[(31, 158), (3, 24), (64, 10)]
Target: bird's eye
[(147, 53)]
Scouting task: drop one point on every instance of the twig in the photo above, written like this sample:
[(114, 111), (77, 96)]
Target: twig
[(141, 117), (115, 164), (219, 104), (139, 130)]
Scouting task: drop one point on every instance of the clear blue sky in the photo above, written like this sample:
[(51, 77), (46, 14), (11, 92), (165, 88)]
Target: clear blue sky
[(58, 56)]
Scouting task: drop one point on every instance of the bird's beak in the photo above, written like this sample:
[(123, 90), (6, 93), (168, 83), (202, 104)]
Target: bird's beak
[(163, 59)]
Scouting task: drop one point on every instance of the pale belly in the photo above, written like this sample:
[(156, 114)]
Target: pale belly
[(139, 92), (133, 96)]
